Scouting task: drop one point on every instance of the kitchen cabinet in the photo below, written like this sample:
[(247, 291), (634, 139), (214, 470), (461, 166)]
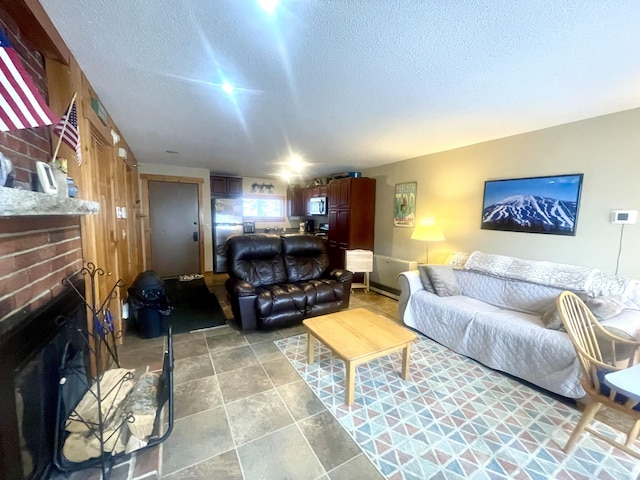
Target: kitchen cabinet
[(225, 186), (298, 198), (307, 193), (295, 201), (351, 217)]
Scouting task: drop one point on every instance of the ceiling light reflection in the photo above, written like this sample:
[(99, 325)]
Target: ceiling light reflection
[(268, 6), (227, 88)]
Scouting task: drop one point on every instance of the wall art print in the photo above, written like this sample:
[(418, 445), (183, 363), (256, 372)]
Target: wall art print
[(404, 212), (535, 205)]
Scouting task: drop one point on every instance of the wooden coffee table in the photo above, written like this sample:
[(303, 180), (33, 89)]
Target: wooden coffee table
[(357, 336)]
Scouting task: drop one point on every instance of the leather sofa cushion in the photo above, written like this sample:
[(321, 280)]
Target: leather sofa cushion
[(322, 291), (304, 257), (279, 298), (256, 259), (280, 306)]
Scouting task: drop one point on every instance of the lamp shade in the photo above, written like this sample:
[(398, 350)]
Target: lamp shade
[(428, 231)]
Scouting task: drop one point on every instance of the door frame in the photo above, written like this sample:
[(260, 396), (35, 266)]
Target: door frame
[(145, 178)]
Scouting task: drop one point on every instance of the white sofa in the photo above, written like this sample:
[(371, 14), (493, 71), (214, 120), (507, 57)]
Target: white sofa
[(496, 318)]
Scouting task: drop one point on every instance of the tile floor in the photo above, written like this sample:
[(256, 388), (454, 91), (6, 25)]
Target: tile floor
[(243, 412)]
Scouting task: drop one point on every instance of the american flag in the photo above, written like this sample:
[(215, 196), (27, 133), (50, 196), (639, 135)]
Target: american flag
[(71, 135), (21, 105)]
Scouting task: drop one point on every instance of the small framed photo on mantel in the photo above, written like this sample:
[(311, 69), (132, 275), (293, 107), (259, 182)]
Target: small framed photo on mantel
[(404, 210)]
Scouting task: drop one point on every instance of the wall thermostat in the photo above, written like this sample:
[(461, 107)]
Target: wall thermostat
[(624, 216)]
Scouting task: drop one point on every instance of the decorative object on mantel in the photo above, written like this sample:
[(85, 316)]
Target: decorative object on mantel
[(262, 187), (72, 189), (67, 130), (15, 202), (6, 171), (59, 168), (46, 182)]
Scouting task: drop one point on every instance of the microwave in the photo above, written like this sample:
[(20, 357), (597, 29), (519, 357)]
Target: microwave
[(318, 205)]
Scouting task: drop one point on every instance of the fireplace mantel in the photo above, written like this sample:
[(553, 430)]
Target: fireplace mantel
[(19, 203)]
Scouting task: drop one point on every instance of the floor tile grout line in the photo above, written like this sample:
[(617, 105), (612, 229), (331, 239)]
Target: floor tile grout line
[(296, 421), (260, 361), (326, 408)]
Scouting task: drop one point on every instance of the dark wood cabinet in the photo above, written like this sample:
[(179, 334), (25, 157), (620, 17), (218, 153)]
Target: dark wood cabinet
[(307, 193), (298, 198), (295, 202), (225, 186), (351, 217)]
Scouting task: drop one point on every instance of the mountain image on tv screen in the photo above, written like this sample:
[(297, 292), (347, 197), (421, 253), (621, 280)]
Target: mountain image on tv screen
[(536, 205)]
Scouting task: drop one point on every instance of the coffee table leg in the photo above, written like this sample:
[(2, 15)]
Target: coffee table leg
[(350, 368), (405, 361), (310, 340)]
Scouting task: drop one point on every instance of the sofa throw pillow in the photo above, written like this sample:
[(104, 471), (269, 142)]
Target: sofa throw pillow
[(603, 308), (443, 280), (424, 278)]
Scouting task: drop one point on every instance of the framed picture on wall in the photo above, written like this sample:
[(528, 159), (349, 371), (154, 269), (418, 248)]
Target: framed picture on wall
[(404, 210), (534, 205)]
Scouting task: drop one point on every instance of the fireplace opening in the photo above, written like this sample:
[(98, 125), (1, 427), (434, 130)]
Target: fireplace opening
[(30, 354), (36, 393)]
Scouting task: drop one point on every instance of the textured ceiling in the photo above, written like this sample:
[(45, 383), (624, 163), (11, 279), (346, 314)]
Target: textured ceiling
[(347, 84)]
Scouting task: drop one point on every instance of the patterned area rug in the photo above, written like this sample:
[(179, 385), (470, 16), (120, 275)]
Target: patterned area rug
[(455, 419)]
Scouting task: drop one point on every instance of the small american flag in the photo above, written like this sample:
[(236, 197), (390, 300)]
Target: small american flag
[(21, 105), (69, 133)]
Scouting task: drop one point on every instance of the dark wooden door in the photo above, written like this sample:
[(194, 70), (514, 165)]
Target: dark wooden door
[(175, 227)]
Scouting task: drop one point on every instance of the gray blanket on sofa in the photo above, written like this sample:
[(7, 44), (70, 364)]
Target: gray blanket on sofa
[(566, 277)]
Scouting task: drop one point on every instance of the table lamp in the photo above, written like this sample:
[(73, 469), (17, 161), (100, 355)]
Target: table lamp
[(427, 231)]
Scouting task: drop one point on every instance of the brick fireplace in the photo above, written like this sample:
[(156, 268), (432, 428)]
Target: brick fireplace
[(36, 254)]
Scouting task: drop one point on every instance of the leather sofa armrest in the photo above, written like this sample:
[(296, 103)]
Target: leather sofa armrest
[(343, 276), (240, 288), (242, 297)]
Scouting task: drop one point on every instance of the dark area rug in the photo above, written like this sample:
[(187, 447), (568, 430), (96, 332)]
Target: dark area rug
[(193, 306)]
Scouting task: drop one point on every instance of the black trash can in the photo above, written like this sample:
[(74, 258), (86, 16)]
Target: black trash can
[(148, 305)]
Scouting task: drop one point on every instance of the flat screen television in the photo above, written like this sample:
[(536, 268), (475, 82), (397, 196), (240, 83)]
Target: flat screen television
[(534, 205)]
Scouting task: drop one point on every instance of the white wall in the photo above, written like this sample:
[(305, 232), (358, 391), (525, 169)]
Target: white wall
[(175, 171), (450, 188)]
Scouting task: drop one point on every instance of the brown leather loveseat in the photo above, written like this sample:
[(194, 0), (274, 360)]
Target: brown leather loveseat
[(278, 281)]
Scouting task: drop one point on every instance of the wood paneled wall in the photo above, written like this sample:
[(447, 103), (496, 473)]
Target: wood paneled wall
[(111, 243)]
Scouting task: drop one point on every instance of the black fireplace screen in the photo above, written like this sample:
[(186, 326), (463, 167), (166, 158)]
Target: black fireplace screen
[(36, 393), (31, 348)]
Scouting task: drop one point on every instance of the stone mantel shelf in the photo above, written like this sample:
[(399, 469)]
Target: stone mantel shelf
[(20, 203)]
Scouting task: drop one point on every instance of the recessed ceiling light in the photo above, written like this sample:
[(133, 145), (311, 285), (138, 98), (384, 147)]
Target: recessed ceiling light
[(268, 6), (227, 87), (296, 163), (285, 176), (171, 152)]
